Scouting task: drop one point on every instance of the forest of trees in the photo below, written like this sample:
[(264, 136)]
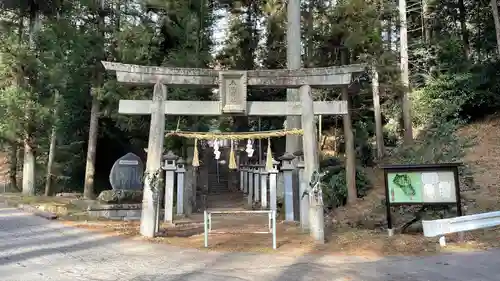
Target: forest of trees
[(59, 123)]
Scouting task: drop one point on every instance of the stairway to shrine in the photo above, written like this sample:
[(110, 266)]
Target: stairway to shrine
[(218, 175), (220, 195), (218, 184)]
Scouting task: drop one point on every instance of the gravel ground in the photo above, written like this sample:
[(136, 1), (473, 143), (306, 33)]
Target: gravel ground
[(32, 248)]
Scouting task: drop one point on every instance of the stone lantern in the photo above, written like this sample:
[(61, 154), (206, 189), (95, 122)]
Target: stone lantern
[(170, 167), (287, 167)]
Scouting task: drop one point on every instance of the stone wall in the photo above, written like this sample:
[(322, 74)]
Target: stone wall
[(117, 211)]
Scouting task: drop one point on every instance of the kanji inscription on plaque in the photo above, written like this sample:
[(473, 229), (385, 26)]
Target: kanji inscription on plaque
[(233, 91)]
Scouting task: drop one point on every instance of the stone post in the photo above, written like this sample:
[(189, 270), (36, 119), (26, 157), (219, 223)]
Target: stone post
[(195, 188), (311, 163), (203, 171), (256, 183), (248, 175), (287, 167), (304, 200), (273, 181), (153, 162), (170, 167), (190, 181), (181, 196), (263, 188), (237, 176), (250, 185), (242, 178)]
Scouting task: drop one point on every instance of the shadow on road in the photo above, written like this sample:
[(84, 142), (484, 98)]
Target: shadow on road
[(72, 248), (46, 236)]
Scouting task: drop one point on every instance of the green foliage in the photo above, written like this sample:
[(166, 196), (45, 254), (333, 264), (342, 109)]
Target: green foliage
[(439, 143), (65, 59), (362, 144), (335, 186), (21, 93), (465, 95), (11, 109)]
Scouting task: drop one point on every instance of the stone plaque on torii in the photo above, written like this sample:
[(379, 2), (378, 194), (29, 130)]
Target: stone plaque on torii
[(232, 100)]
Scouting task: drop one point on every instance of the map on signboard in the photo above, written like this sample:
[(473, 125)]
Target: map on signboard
[(405, 187), (421, 187)]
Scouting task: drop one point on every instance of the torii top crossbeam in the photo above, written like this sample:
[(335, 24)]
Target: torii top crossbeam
[(233, 88), (276, 78)]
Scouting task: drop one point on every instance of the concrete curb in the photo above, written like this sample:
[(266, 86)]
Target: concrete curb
[(37, 212)]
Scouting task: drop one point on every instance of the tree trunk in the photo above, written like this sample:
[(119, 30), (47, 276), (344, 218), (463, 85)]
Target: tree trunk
[(52, 147), (496, 19), (28, 167), (88, 189), (309, 62), (463, 28), (350, 152), (427, 29), (309, 34), (13, 160), (389, 33), (293, 39), (379, 133), (405, 80), (29, 159), (14, 152)]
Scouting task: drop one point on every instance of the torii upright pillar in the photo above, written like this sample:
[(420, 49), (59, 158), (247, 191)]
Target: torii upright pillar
[(153, 162)]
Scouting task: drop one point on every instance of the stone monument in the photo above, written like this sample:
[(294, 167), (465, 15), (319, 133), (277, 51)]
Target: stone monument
[(127, 173), (126, 179)]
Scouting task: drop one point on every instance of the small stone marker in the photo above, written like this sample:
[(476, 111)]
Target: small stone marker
[(127, 173)]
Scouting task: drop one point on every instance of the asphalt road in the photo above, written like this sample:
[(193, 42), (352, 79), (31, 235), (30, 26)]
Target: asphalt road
[(32, 248)]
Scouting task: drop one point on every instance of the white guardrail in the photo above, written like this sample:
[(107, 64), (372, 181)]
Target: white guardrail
[(207, 221), (459, 224)]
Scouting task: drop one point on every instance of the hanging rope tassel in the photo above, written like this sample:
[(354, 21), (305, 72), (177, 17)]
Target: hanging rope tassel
[(269, 156), (232, 159), (196, 161)]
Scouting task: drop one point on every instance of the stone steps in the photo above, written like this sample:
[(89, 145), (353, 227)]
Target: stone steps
[(227, 200), (217, 184)]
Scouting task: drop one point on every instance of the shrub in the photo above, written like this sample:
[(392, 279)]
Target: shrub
[(465, 95), (438, 143), (362, 144), (334, 185)]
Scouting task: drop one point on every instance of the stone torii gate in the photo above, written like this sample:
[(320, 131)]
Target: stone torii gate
[(233, 92)]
